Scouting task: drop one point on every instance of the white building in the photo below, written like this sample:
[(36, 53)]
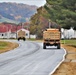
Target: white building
[(68, 33), (33, 36), (4, 32), (10, 31)]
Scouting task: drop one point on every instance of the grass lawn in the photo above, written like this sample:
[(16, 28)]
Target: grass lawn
[(69, 42), (3, 45), (6, 46)]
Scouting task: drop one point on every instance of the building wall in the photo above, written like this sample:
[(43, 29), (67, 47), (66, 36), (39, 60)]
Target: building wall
[(12, 35), (9, 34), (33, 36), (4, 35), (68, 33)]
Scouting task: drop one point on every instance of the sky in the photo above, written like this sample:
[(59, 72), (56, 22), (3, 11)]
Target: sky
[(29, 2)]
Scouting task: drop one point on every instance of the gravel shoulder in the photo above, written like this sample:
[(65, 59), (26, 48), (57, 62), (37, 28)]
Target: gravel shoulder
[(68, 67)]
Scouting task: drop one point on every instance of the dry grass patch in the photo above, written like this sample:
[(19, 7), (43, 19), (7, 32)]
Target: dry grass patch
[(71, 52), (67, 68), (69, 48)]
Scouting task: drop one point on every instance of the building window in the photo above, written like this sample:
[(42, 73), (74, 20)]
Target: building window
[(2, 34), (26, 34)]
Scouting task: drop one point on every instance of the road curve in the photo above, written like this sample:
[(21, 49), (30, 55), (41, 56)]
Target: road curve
[(30, 59)]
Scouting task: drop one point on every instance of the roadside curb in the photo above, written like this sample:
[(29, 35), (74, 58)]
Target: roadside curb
[(60, 62)]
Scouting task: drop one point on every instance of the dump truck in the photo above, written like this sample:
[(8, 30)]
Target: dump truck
[(51, 37), (21, 35)]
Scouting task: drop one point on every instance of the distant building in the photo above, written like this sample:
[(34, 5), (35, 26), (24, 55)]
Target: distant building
[(10, 31), (33, 36), (68, 33), (4, 32)]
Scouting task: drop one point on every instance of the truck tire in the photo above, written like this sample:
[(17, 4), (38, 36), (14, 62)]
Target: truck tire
[(58, 46), (44, 45), (18, 39), (24, 39)]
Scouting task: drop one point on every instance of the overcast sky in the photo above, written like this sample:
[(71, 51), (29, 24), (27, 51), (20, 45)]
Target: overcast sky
[(30, 2)]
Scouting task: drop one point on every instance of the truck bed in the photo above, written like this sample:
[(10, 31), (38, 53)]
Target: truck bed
[(51, 35)]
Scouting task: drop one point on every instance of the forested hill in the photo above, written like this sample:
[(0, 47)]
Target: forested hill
[(62, 12), (17, 12)]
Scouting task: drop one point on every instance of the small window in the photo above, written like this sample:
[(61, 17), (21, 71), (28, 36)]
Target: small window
[(26, 34), (2, 34)]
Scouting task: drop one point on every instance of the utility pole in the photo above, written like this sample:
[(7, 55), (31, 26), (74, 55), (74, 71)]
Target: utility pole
[(49, 24)]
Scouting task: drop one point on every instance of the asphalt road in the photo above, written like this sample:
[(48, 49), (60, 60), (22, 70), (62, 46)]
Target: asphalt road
[(30, 59)]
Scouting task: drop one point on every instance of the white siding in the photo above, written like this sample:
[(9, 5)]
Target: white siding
[(70, 33), (33, 36)]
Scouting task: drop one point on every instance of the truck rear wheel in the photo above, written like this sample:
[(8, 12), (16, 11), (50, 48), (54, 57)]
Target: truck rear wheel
[(44, 45), (24, 39), (58, 46), (18, 39)]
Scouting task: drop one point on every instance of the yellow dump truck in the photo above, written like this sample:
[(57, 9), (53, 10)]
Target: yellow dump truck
[(21, 35), (51, 37)]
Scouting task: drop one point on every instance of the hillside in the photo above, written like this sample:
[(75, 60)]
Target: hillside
[(63, 12), (18, 12), (3, 19)]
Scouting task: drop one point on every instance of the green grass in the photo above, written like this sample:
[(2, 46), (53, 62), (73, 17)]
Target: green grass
[(31, 39), (3, 45), (69, 42)]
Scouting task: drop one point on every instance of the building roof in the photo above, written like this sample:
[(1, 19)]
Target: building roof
[(23, 30), (3, 29), (8, 27)]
